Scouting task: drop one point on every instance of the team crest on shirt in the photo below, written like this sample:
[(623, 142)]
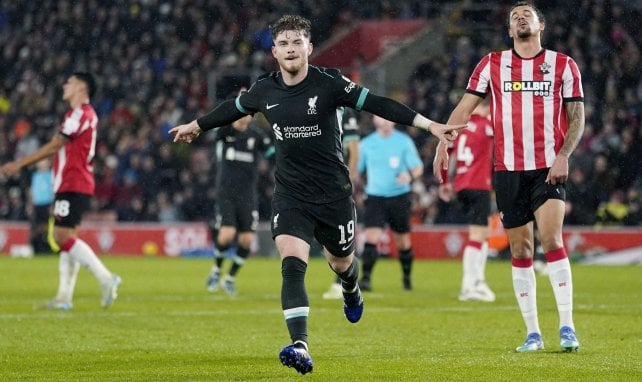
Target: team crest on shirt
[(312, 105), (544, 68), (277, 132)]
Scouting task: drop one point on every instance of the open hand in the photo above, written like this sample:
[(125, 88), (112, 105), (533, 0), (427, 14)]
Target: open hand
[(440, 162)]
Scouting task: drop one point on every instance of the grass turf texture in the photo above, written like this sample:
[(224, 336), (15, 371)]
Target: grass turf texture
[(166, 327)]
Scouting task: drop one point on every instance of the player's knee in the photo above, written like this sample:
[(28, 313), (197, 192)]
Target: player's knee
[(551, 243), (245, 240), (61, 236), (522, 250), (223, 241), (340, 264)]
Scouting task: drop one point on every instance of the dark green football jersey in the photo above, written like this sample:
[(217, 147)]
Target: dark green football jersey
[(305, 119), (237, 156)]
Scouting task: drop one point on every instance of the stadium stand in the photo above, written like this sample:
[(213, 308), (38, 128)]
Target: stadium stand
[(157, 62)]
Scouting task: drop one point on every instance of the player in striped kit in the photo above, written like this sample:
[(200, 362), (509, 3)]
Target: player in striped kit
[(73, 148), (537, 111), (473, 151)]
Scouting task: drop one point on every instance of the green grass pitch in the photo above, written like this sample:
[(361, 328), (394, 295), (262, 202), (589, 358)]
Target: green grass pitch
[(166, 327)]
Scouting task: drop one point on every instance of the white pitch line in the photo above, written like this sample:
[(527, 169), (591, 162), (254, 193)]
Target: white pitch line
[(224, 312)]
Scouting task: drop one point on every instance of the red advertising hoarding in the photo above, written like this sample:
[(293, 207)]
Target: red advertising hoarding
[(429, 242), (123, 239)]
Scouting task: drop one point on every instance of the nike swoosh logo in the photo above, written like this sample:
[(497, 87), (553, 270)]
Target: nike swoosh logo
[(268, 106), (345, 248)]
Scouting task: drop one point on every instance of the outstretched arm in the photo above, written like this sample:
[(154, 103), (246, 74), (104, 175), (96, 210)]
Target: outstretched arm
[(445, 133), (558, 172), (222, 115), (45, 151), (397, 112)]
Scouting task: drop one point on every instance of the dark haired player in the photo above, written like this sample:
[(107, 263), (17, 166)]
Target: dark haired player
[(73, 148), (313, 193), (538, 120)]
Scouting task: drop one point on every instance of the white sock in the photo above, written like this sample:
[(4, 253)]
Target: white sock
[(524, 286), (562, 283), (85, 256), (469, 265), (68, 273), (480, 266)]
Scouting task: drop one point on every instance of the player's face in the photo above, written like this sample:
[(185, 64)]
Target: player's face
[(291, 50), (524, 23), (72, 87), (384, 126)]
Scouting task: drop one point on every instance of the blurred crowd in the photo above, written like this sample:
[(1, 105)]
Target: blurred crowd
[(154, 58)]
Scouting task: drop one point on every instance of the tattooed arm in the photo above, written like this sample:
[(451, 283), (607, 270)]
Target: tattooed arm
[(575, 116)]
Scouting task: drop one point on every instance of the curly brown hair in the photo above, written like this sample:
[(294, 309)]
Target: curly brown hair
[(291, 23)]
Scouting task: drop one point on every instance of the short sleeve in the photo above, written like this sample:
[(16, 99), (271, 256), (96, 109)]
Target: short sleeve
[(479, 80), (572, 82), (71, 124)]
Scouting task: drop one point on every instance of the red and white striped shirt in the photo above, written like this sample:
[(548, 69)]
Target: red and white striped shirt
[(473, 150), (529, 119), (73, 164)]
